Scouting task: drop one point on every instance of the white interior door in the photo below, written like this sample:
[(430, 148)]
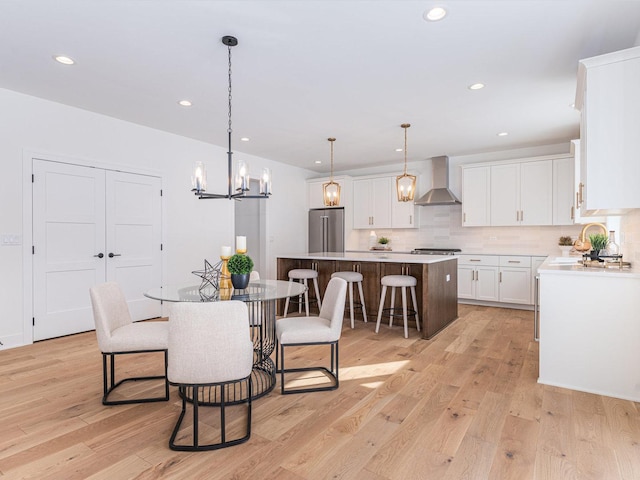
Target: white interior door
[(133, 252), (68, 233), (92, 225)]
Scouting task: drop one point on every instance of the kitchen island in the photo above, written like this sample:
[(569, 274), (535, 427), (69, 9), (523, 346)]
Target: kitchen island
[(437, 277), (589, 329)]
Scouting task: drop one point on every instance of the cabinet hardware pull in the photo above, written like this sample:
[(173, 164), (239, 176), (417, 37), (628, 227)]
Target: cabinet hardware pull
[(500, 275), (514, 261), (410, 219), (100, 255), (475, 260), (522, 215), (573, 214), (464, 218), (581, 191), (111, 255), (473, 275)]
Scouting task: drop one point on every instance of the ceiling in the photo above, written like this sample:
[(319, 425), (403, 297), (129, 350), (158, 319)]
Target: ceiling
[(307, 70)]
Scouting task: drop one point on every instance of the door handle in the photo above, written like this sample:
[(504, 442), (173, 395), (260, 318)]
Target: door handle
[(100, 255), (111, 255)]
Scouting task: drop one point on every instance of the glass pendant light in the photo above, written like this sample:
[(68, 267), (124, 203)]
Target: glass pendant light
[(331, 189), (405, 183)]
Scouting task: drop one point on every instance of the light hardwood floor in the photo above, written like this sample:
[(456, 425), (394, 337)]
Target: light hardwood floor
[(464, 405)]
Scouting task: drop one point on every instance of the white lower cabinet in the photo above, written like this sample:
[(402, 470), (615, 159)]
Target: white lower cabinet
[(478, 277), (495, 278), (515, 279)]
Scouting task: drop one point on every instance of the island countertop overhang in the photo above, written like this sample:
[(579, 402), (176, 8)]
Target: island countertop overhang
[(371, 257)]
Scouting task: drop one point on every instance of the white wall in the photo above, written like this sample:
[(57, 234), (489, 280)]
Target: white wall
[(193, 229)]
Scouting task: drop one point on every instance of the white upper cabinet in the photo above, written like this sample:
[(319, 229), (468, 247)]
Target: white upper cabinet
[(402, 213), (372, 202), (522, 193), (608, 96), (476, 184), (563, 197), (514, 192)]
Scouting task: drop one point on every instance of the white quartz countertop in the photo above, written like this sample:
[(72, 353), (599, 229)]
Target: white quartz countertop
[(371, 257), (561, 266)]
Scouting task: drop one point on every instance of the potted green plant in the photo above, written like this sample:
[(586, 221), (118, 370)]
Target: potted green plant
[(384, 241), (598, 243), (566, 245), (240, 266)]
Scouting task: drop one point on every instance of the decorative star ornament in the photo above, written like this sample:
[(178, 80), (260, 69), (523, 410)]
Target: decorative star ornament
[(210, 275)]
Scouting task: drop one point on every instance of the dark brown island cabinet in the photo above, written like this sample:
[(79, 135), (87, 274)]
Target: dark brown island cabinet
[(437, 277)]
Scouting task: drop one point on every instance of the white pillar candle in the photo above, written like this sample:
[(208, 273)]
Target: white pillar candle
[(225, 251), (241, 243)]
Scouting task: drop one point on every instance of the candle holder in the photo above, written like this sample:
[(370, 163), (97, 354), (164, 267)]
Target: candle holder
[(225, 276)]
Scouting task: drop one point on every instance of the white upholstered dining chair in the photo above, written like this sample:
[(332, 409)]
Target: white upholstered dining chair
[(211, 359), (325, 329), (118, 335)]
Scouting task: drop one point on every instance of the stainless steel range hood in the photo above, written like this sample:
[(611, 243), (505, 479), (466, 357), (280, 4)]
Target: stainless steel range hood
[(440, 193)]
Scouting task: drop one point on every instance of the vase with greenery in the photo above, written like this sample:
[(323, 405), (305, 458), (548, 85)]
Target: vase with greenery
[(566, 245), (598, 243), (240, 267), (384, 241)]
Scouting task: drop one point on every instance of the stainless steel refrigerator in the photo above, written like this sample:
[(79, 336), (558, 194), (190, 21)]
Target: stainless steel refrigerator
[(326, 230)]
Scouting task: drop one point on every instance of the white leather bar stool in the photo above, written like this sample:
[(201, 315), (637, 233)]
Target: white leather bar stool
[(402, 281), (304, 274), (351, 278)]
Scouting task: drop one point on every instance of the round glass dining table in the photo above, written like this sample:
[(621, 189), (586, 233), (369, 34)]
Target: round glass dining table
[(261, 299)]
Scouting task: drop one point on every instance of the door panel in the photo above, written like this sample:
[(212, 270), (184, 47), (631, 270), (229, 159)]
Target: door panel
[(133, 219), (68, 230)]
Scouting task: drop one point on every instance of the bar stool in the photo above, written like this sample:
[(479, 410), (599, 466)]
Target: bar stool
[(402, 281), (304, 274), (351, 278)]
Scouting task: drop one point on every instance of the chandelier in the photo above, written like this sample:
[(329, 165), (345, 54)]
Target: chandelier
[(242, 178)]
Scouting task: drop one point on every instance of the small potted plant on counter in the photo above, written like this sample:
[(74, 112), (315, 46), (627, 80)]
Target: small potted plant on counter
[(566, 245), (598, 244), (384, 243), (240, 266)]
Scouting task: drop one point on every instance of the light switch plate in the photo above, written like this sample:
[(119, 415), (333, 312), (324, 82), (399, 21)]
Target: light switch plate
[(10, 239)]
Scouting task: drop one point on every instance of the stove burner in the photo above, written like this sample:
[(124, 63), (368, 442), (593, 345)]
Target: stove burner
[(435, 251)]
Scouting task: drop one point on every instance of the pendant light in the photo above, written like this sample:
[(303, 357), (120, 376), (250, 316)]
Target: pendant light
[(331, 189), (405, 183), (242, 179)]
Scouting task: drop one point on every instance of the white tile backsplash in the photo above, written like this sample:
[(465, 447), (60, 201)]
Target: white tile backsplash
[(441, 227)]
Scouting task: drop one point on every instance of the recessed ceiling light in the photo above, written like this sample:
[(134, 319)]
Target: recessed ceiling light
[(476, 86), (185, 103), (399, 149), (64, 60), (244, 139), (318, 162), (434, 14), (503, 134)]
